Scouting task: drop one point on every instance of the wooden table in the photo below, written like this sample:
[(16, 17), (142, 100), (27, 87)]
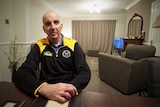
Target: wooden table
[(85, 99), (8, 91), (94, 99), (132, 41)]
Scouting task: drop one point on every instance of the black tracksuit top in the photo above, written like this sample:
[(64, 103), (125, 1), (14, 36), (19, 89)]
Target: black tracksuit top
[(66, 65)]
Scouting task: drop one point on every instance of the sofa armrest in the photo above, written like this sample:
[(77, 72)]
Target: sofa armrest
[(108, 62), (124, 74)]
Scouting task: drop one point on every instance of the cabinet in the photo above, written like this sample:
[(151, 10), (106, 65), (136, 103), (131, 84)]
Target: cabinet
[(132, 41)]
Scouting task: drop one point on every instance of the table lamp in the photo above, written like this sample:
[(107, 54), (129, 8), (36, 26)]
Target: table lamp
[(156, 23)]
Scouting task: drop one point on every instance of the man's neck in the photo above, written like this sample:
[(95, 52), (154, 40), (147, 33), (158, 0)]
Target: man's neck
[(57, 41)]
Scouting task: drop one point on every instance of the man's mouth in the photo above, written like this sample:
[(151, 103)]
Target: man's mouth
[(53, 33)]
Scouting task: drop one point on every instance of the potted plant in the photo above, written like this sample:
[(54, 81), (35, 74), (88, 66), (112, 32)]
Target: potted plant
[(14, 56)]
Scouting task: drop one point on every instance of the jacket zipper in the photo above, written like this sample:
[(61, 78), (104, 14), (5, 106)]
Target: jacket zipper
[(57, 50)]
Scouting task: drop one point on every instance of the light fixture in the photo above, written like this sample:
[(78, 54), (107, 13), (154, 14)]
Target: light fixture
[(156, 23), (94, 9)]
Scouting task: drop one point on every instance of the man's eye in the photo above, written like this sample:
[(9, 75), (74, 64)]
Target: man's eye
[(47, 23), (56, 22)]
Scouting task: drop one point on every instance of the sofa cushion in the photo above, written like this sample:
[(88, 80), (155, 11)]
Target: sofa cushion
[(136, 52)]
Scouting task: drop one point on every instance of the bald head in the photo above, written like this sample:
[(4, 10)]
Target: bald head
[(50, 14), (52, 26)]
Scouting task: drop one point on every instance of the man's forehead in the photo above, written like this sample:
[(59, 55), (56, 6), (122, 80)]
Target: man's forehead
[(49, 16)]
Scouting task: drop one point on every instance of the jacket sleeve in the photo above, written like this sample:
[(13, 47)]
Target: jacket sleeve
[(26, 76), (83, 73)]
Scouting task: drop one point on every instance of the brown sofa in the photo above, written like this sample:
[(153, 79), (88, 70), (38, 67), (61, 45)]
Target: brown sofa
[(128, 73)]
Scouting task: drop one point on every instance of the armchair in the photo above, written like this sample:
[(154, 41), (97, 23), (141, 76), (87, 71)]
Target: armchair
[(129, 73)]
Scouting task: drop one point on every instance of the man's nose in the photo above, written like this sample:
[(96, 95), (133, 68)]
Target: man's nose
[(53, 25)]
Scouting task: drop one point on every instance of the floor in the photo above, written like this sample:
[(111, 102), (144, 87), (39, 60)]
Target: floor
[(95, 84)]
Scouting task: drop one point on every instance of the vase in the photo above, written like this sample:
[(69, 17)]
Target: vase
[(13, 74)]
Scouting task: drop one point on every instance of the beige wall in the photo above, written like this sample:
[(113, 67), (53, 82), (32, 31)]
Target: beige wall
[(142, 8)]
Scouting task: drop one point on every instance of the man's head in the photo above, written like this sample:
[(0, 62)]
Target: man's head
[(52, 25)]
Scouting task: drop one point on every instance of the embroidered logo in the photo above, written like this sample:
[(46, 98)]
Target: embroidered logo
[(47, 53), (66, 53)]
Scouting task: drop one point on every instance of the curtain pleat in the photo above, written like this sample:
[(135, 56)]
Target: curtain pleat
[(94, 34)]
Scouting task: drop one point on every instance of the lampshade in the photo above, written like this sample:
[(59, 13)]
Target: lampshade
[(156, 22)]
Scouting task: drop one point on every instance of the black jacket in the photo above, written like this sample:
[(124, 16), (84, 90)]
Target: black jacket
[(67, 65)]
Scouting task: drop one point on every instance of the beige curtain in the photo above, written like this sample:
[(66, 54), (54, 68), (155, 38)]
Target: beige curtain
[(94, 34)]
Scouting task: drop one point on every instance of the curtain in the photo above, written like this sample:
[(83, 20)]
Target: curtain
[(94, 34)]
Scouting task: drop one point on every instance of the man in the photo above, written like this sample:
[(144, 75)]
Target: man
[(63, 69)]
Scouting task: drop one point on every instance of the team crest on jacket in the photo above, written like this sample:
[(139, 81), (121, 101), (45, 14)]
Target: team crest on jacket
[(66, 53)]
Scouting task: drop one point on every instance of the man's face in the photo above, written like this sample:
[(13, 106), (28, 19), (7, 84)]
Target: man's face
[(52, 25)]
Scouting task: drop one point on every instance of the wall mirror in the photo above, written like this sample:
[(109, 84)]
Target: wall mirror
[(135, 26)]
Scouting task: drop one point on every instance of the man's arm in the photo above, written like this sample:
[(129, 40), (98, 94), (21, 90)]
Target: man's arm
[(25, 77), (83, 73)]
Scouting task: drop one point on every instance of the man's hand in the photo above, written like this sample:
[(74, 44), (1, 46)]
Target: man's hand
[(60, 92)]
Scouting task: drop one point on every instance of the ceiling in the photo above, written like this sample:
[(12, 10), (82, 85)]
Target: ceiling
[(83, 7)]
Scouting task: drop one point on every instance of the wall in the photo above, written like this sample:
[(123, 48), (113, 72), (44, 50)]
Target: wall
[(6, 35), (5, 29), (142, 8), (15, 12)]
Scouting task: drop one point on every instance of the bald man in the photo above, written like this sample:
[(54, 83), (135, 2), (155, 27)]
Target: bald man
[(63, 70)]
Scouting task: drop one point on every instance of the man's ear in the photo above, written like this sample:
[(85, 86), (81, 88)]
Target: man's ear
[(61, 25), (43, 28)]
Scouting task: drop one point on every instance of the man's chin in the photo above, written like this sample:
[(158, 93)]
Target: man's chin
[(53, 36)]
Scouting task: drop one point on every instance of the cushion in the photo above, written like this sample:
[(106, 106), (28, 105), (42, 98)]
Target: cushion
[(136, 52)]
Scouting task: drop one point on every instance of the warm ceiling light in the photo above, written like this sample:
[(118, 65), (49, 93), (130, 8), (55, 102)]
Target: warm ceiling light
[(94, 8), (156, 22)]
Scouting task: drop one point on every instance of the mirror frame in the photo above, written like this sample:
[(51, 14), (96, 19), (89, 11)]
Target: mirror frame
[(135, 15)]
